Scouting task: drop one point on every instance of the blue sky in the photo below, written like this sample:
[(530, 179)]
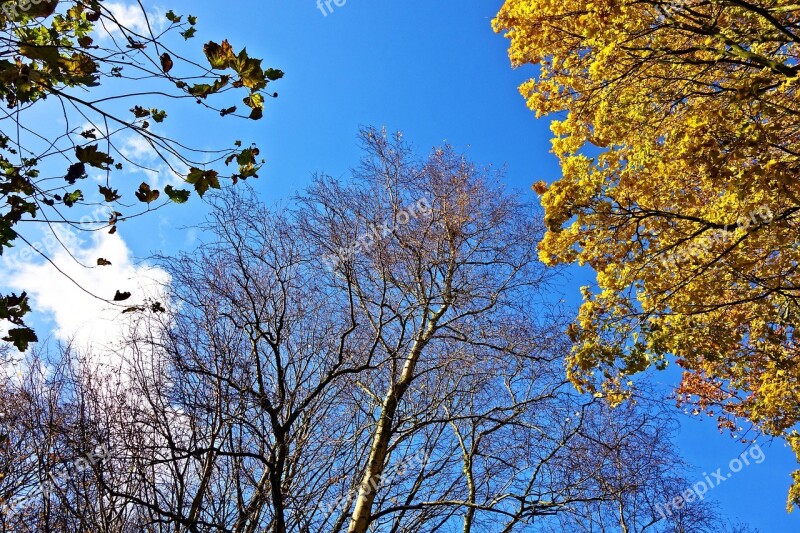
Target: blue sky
[(436, 71)]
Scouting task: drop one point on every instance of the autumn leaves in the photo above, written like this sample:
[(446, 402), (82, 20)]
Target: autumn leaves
[(676, 123)]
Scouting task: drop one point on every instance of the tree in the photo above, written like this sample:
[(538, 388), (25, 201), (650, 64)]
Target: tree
[(290, 355), (678, 146), (77, 60), (626, 454)]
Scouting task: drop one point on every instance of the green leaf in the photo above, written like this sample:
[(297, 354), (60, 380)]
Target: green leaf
[(246, 160), (179, 196), (273, 74), (14, 182), (158, 115), (172, 17), (256, 102), (21, 337), (188, 34), (250, 71), (46, 54), (220, 56), (200, 90), (18, 207), (81, 69), (203, 180), (91, 155), (72, 197), (13, 307), (6, 235)]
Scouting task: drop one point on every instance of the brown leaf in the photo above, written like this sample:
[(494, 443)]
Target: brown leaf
[(166, 62)]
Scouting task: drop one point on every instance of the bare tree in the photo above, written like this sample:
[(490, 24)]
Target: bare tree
[(380, 355), (628, 459)]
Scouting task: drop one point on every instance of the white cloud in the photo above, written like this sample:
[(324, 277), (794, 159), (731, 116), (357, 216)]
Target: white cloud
[(135, 147), (79, 317), (191, 237), (158, 174), (131, 16)]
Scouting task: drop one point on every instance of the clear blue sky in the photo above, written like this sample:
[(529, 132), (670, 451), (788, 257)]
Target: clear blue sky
[(436, 71)]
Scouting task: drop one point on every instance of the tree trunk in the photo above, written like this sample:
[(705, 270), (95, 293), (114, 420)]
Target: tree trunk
[(359, 521)]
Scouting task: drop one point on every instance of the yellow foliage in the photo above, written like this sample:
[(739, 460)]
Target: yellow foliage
[(680, 157)]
